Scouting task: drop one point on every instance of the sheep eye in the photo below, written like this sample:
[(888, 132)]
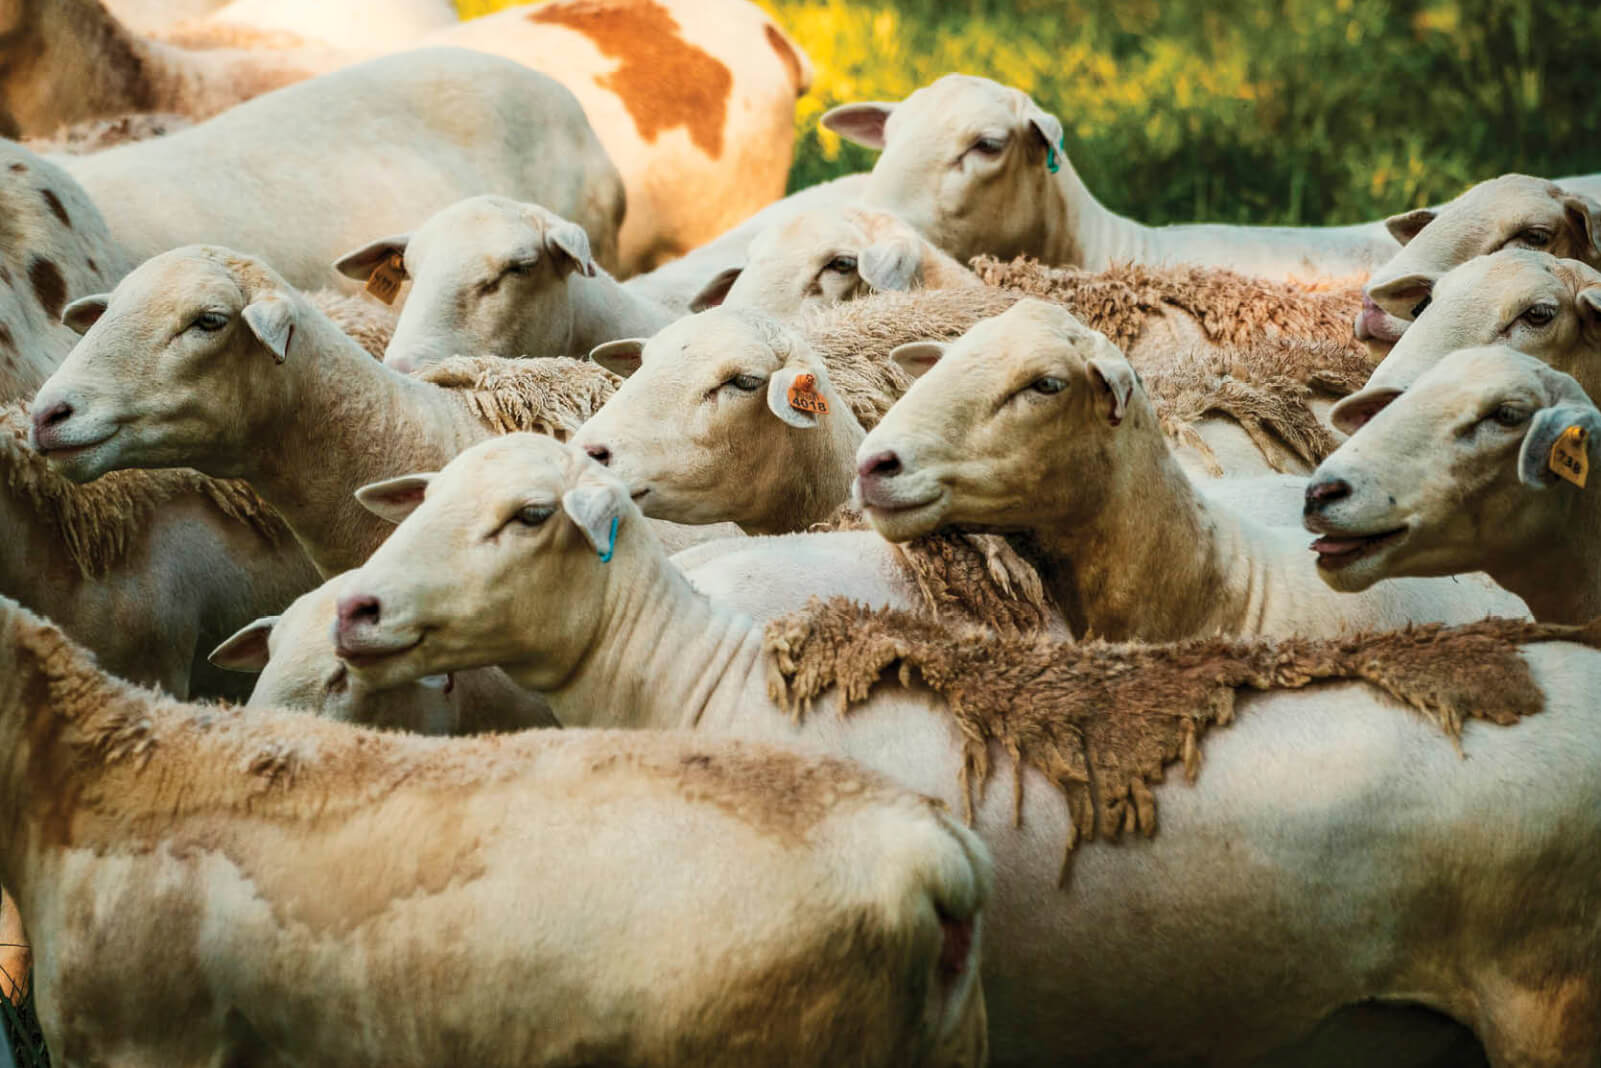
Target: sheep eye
[(210, 321), (989, 146), (745, 383), (841, 265), (1535, 237), (1049, 384), (1539, 314), (532, 515), (1508, 416), (521, 267), (1422, 305)]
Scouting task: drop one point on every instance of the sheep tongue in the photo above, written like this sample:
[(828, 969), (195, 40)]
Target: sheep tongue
[(1338, 546)]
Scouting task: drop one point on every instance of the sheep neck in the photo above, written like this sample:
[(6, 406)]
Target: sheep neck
[(1086, 233), (1560, 580), (603, 311), (1120, 575), (660, 657), (349, 421)]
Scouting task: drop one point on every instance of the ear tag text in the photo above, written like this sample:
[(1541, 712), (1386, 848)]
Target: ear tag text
[(1570, 459), (803, 395), (384, 282)]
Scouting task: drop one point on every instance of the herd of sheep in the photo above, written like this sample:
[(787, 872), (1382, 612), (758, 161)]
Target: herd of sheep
[(789, 666)]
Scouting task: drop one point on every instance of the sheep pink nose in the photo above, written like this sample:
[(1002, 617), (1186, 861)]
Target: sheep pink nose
[(1325, 492), (880, 465), (357, 610), (599, 453), (55, 415)]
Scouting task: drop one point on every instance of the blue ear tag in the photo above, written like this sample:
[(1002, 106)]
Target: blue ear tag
[(611, 542), (1053, 162)]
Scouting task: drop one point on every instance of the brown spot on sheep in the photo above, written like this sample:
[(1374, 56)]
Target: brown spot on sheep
[(56, 207), (19, 167), (663, 80), (789, 804), (48, 285), (787, 56), (1103, 722), (8, 340)]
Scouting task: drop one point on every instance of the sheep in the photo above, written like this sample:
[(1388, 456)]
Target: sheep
[(577, 601), (362, 25), (826, 255), (292, 654), (386, 140), (284, 870), (1034, 422), (492, 274), (1545, 307), (1509, 212), (247, 359), (149, 569), (1461, 473), (1012, 191)]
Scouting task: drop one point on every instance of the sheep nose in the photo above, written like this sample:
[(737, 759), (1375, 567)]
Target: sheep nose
[(880, 465), (357, 610), (54, 415), (1323, 493), (599, 453)]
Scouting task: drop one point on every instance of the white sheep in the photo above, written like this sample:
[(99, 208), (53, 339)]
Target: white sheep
[(982, 168), (357, 25), (203, 884), (575, 599), (1514, 211), (492, 274), (1465, 471), (385, 140), (292, 653), (1546, 307)]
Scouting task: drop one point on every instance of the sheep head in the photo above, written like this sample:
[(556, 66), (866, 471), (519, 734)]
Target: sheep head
[(1540, 305), (725, 416), (1011, 426), (488, 275), (171, 367), (1453, 476)]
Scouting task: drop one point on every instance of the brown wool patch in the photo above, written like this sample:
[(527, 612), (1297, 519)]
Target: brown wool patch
[(1104, 722), (48, 285), (551, 396), (663, 80)]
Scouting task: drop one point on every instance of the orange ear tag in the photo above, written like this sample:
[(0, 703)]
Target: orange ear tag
[(803, 395), (1569, 457), (384, 282)]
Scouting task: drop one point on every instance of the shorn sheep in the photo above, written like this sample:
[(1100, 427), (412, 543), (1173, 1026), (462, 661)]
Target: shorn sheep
[(205, 886), (1485, 462), (491, 274), (575, 599), (1033, 422), (982, 168)]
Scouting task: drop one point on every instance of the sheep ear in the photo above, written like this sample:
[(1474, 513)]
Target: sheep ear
[(1549, 424), (84, 312), (715, 292), (272, 319), (1586, 215), (917, 358), (1588, 302), (1406, 226), (361, 263), (1115, 374), (621, 357), (1049, 127), (247, 649), (802, 416), (1352, 413), (891, 265), (568, 243), (394, 498), (597, 509), (862, 124)]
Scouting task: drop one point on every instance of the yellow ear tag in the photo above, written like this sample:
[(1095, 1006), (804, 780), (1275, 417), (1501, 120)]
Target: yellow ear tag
[(384, 282), (803, 395), (1569, 457)]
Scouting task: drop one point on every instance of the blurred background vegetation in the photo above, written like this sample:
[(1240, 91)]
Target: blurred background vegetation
[(1270, 111)]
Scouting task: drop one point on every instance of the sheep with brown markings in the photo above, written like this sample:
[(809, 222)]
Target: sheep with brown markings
[(279, 870), (575, 599)]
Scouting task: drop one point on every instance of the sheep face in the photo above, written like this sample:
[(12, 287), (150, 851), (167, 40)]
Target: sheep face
[(1542, 306), (294, 656), (823, 257), (511, 522), (488, 275), (1453, 476), (1512, 211), (1013, 421), (967, 161), (704, 429), (169, 366)]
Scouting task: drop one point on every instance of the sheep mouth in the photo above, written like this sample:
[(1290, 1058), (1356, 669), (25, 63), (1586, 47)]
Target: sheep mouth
[(361, 655), (49, 443), (1336, 551)]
